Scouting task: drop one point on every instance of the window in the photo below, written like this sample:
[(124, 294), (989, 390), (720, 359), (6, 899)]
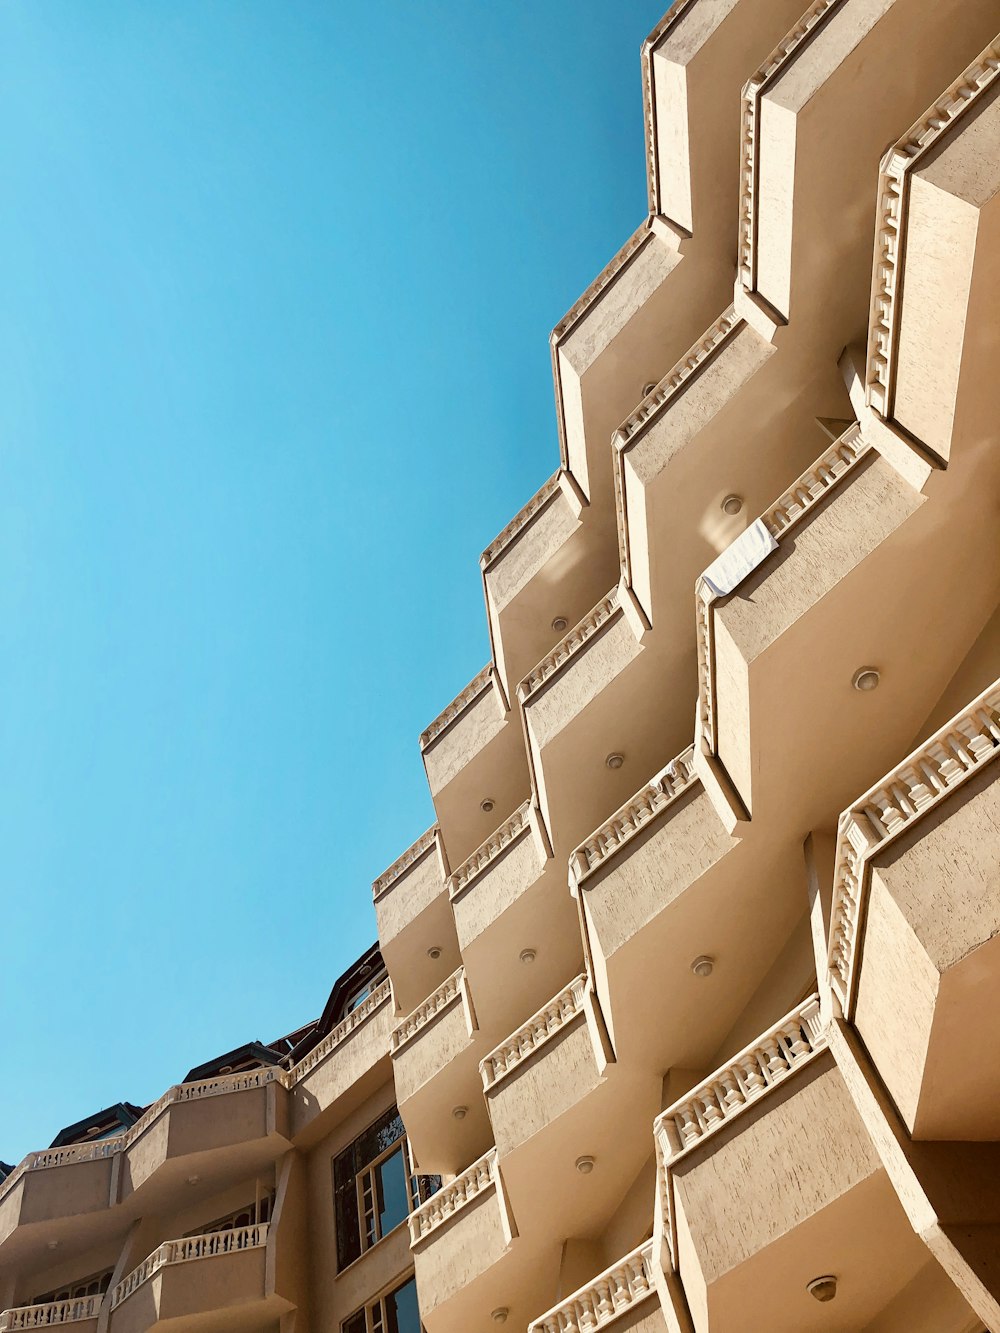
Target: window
[(242, 1217), (375, 1187), (396, 1312), (361, 992), (95, 1285)]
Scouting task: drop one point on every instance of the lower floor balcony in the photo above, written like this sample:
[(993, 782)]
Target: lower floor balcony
[(82, 1313), (771, 1197), (625, 1295), (915, 950), (220, 1279)]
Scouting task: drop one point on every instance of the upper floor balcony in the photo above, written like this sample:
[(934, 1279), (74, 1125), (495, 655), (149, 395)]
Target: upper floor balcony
[(415, 927), (476, 768), (915, 940), (243, 1119), (768, 1185), (675, 272), (930, 349), (517, 926), (435, 1059), (558, 1104), (219, 1280)]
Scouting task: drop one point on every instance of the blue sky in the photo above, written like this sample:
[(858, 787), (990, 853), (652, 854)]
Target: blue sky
[(277, 283)]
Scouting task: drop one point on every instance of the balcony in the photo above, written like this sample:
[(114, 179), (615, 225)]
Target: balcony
[(794, 623), (556, 1098), (915, 942), (466, 1255), (241, 1118), (934, 269), (413, 916), (767, 1180), (474, 758), (220, 1279), (435, 1059), (81, 1313), (514, 919), (545, 569), (580, 719), (343, 1068), (625, 1292), (674, 273)]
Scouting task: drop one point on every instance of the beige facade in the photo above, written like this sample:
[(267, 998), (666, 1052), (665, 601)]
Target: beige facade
[(690, 994)]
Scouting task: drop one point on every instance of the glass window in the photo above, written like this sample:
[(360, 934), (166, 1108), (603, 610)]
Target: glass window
[(356, 1324), (396, 1312)]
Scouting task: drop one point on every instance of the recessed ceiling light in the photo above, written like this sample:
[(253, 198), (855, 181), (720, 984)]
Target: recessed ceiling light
[(703, 965), (434, 953), (460, 1112), (648, 388), (193, 1180), (866, 678), (585, 1165), (527, 955), (486, 804), (615, 760), (560, 624), (499, 1315), (823, 1288), (732, 504)]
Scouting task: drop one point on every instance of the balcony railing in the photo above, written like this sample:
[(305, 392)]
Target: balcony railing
[(446, 994), (569, 645), (829, 470), (464, 699), (952, 756), (207, 1246), (616, 1291), (399, 867), (730, 1092), (540, 1028), (896, 168), (437, 1210), (379, 996), (616, 832), (53, 1312), (494, 845), (750, 132), (181, 1092), (545, 494)]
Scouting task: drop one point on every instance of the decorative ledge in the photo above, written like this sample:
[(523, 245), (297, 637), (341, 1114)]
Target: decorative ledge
[(192, 1247), (543, 497), (729, 1092), (509, 832), (893, 192), (379, 996), (654, 405), (443, 998), (614, 1292), (550, 1020), (616, 833), (473, 691), (410, 857), (818, 481), (782, 54), (569, 645), (439, 1208), (54, 1312), (940, 766), (649, 99)]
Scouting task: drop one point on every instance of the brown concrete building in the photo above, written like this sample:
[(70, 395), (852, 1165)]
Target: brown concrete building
[(688, 1000)]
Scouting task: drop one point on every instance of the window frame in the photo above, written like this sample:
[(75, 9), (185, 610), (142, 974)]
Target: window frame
[(374, 1311)]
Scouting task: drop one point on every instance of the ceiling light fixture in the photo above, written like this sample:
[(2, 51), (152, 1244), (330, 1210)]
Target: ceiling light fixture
[(434, 953), (459, 1112), (487, 804), (732, 504), (823, 1288), (866, 678), (648, 388), (527, 955), (560, 624), (499, 1315), (703, 965), (585, 1165), (615, 760)]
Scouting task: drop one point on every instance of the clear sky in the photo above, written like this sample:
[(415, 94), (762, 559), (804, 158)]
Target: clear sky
[(277, 283)]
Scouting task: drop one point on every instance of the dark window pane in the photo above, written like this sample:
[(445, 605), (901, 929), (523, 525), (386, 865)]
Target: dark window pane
[(392, 1187), (401, 1309), (425, 1186), (356, 1323), (345, 1200)]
